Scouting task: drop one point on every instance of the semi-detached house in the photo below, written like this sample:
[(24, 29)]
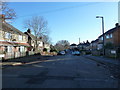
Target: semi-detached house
[(13, 43)]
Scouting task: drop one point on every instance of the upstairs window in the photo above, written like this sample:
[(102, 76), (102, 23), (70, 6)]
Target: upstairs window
[(111, 35), (8, 35), (101, 38), (107, 36), (20, 37)]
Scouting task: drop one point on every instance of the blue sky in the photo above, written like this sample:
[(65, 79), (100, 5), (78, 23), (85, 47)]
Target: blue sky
[(68, 20)]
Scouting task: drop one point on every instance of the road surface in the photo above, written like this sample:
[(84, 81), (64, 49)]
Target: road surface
[(66, 71)]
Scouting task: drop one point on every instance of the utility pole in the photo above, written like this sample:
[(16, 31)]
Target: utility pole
[(103, 33)]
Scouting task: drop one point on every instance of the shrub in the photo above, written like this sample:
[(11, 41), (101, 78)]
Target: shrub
[(45, 50)]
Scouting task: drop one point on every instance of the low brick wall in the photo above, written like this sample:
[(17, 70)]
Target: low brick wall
[(12, 55), (108, 53), (96, 52), (48, 53)]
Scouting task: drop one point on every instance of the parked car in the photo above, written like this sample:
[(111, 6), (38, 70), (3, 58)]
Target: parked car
[(76, 53), (61, 53)]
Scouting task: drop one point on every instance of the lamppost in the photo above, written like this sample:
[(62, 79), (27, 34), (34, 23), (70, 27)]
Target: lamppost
[(102, 32)]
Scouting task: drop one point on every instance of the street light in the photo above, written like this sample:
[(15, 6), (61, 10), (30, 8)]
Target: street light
[(102, 32)]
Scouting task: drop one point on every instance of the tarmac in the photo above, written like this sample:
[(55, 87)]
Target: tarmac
[(23, 60)]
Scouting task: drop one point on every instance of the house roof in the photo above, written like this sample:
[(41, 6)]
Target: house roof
[(94, 41), (6, 43), (31, 36), (110, 31), (9, 28), (73, 45)]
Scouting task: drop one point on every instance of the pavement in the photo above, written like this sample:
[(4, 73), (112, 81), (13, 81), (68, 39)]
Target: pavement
[(113, 65), (104, 59)]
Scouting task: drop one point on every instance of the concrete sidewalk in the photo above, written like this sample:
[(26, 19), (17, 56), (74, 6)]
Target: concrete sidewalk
[(112, 64), (103, 59)]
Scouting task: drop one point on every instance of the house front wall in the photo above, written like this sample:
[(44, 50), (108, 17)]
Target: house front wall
[(116, 38), (109, 39), (12, 43)]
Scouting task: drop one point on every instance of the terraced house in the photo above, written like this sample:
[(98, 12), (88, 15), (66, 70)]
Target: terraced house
[(13, 43)]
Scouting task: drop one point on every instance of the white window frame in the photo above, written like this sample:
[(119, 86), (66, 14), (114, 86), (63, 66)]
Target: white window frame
[(22, 49), (20, 37), (7, 35), (9, 48)]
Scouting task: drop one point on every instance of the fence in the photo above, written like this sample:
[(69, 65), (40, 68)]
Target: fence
[(12, 55)]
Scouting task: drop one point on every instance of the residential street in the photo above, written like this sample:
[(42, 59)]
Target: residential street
[(59, 72)]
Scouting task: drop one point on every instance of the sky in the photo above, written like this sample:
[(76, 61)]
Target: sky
[(68, 20)]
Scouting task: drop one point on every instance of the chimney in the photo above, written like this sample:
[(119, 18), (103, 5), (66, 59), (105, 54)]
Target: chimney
[(117, 24), (29, 31), (2, 17)]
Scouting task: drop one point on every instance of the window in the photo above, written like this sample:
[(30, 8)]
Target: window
[(107, 36), (20, 37), (9, 48), (8, 35), (101, 38), (21, 48), (111, 35)]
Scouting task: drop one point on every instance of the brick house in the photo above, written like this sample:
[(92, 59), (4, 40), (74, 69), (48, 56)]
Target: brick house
[(111, 36), (32, 41), (111, 42), (13, 43)]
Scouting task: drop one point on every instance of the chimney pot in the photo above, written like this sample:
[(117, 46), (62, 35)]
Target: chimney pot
[(29, 31), (117, 24)]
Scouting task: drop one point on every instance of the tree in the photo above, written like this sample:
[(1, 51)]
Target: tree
[(53, 49), (62, 45), (7, 13), (39, 26), (46, 39)]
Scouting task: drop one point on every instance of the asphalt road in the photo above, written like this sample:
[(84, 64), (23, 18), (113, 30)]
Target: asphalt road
[(59, 72)]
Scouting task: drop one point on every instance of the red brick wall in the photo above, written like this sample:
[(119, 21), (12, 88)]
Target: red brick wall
[(116, 38)]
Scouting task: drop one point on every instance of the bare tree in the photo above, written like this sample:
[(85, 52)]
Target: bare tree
[(39, 26), (62, 45), (46, 39), (7, 13)]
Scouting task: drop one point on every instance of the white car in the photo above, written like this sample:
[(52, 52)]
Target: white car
[(76, 53)]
